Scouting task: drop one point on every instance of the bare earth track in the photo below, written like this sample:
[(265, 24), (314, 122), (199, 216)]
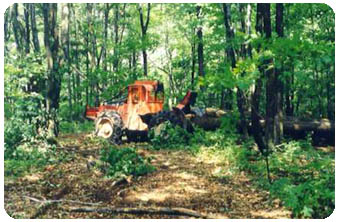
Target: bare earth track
[(181, 180)]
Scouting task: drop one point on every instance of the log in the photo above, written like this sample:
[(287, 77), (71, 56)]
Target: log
[(213, 112), (144, 210), (205, 122), (323, 129)]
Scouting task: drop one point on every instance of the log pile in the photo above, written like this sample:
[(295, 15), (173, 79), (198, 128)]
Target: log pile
[(208, 119), (322, 129)]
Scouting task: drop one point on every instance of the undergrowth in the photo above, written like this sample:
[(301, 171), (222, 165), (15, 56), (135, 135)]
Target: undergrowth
[(120, 162), (302, 177), (23, 160)]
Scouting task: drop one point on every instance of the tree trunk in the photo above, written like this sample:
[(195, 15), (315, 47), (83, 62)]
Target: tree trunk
[(6, 28), (65, 20), (200, 56), (257, 130), (17, 29), (193, 63), (144, 28), (105, 35), (36, 42), (116, 38), (51, 40), (232, 59), (279, 84), (27, 28)]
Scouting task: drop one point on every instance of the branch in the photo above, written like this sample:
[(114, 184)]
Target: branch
[(59, 201), (79, 72), (148, 16), (124, 23), (143, 210), (141, 18)]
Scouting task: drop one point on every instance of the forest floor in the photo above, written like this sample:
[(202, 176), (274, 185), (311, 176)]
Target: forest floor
[(181, 180)]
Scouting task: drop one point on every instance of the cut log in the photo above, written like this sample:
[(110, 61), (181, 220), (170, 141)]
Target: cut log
[(323, 129), (213, 112), (166, 211), (205, 122)]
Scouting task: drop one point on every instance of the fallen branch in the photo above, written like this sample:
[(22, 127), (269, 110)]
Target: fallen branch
[(167, 211), (61, 200), (45, 204)]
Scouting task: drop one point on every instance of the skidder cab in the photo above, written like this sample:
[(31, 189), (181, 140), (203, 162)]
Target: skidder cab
[(135, 114)]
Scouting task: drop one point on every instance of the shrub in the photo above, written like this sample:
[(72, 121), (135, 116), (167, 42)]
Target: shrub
[(16, 132), (305, 179), (120, 162), (168, 135), (26, 160)]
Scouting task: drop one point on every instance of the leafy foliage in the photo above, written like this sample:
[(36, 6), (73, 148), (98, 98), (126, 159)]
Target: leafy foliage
[(169, 135), (123, 162), (25, 160)]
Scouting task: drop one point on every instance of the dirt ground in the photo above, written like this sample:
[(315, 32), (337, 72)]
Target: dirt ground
[(181, 180)]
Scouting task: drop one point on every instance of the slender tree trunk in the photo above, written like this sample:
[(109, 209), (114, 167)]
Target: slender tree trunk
[(116, 38), (17, 29), (87, 59), (193, 63), (27, 28), (51, 40), (144, 28), (270, 130), (36, 42), (279, 83), (200, 54), (261, 20), (65, 16), (6, 28), (106, 16), (134, 61), (232, 58)]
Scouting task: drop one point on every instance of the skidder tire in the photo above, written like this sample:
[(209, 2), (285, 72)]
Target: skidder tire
[(109, 125)]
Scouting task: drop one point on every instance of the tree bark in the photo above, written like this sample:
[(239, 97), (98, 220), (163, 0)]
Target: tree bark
[(232, 58), (200, 55), (36, 42), (65, 42), (51, 40), (270, 130), (105, 35), (17, 28), (144, 28), (116, 38), (27, 27), (279, 84), (6, 28), (193, 63)]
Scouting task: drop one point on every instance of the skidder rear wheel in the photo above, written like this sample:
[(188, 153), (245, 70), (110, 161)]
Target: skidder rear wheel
[(109, 125)]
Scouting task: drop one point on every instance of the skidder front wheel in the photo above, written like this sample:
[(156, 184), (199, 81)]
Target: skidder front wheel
[(109, 125)]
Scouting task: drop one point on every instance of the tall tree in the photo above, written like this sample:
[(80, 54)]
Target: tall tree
[(144, 28), (270, 110), (17, 27), (54, 76), (262, 26), (279, 84), (36, 42), (27, 27), (232, 58), (200, 53), (65, 43)]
